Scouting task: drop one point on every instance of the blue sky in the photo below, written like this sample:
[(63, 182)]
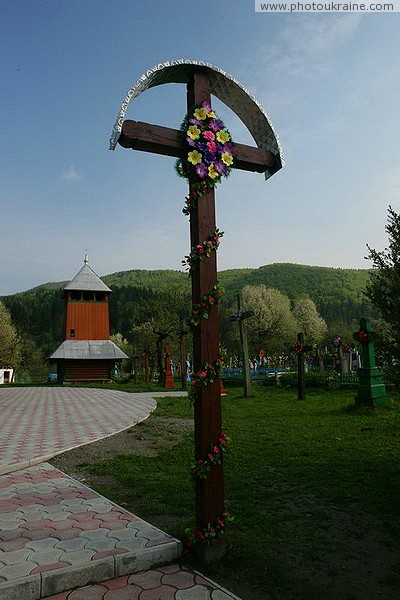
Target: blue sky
[(329, 82)]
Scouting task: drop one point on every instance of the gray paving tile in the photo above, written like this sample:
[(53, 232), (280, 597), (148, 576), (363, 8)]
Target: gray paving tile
[(71, 545), (15, 557), (40, 545), (16, 571)]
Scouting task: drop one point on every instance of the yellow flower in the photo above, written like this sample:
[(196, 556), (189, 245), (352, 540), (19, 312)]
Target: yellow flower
[(193, 132), (200, 114), (222, 136), (194, 157), (227, 158), (211, 114), (212, 172)]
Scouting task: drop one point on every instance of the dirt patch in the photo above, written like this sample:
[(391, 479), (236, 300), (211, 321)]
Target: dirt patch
[(145, 439)]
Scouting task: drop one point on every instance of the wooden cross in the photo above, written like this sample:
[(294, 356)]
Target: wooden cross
[(207, 409), (240, 315), (301, 371)]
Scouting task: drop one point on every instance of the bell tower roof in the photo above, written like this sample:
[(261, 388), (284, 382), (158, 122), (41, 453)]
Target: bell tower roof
[(86, 280)]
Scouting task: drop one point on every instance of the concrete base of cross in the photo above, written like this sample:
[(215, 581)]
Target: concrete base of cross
[(371, 389)]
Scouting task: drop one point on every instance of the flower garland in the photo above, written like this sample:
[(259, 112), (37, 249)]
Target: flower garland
[(208, 374), (214, 456), (209, 152), (202, 310), (203, 250), (363, 336), (298, 347), (210, 533)]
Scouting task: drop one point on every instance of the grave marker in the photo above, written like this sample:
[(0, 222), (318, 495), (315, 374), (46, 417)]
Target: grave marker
[(371, 390)]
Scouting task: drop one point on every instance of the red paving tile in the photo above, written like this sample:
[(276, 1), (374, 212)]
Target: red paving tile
[(94, 592), (50, 567), (146, 580), (129, 593), (164, 593), (116, 584)]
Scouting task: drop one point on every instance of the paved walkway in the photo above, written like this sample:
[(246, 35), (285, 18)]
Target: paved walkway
[(58, 538), (38, 423)]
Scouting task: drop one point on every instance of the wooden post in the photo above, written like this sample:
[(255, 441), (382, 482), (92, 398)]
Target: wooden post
[(207, 407), (245, 349), (301, 372), (168, 377), (146, 367), (182, 353)]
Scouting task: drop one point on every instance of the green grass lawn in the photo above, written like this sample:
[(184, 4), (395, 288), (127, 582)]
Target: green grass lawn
[(294, 471)]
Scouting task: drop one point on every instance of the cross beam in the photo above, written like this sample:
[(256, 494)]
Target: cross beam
[(166, 141)]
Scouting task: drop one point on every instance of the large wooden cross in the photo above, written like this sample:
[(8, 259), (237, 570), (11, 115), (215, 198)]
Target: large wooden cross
[(206, 339)]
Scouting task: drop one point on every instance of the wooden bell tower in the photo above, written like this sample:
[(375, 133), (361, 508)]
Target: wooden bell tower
[(87, 353)]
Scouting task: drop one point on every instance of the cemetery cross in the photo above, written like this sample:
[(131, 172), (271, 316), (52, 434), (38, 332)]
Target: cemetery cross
[(240, 315), (207, 407), (371, 390), (301, 371)]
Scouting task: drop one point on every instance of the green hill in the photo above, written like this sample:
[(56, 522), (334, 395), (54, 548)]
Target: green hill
[(139, 294), (338, 293)]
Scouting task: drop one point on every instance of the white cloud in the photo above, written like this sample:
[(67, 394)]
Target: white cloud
[(71, 174), (304, 45)]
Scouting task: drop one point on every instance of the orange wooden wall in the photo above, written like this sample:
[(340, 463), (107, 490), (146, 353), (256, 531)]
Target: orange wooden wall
[(88, 319)]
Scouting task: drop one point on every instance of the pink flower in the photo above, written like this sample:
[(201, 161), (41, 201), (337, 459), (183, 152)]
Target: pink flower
[(209, 135), (211, 457), (204, 373), (216, 450), (212, 146)]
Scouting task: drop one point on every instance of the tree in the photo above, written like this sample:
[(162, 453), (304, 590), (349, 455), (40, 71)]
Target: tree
[(273, 325), (309, 321), (383, 291), (32, 368), (10, 347)]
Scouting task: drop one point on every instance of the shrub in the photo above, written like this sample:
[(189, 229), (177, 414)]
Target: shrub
[(314, 379)]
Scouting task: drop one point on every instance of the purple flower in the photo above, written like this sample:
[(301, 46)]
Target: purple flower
[(190, 142), (201, 170), (220, 167), (202, 147), (194, 121), (208, 157), (216, 125), (228, 147), (206, 105)]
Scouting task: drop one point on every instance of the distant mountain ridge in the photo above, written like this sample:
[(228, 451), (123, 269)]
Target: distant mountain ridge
[(337, 293), (290, 278)]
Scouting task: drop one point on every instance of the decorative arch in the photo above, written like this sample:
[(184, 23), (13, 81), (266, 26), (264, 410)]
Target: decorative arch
[(226, 88)]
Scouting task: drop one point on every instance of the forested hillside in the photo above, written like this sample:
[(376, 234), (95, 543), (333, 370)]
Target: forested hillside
[(164, 295)]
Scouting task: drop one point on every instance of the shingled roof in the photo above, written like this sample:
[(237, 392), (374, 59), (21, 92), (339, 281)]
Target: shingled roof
[(87, 281), (88, 349)]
